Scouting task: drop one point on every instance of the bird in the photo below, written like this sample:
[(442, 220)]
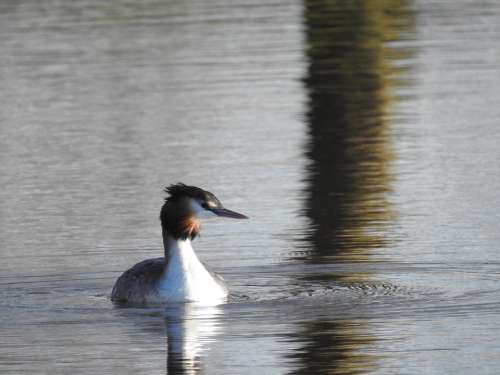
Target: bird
[(178, 276)]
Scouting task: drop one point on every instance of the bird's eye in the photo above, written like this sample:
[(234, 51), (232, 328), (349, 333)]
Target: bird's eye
[(205, 205)]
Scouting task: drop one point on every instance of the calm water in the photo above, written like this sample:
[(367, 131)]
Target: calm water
[(360, 137)]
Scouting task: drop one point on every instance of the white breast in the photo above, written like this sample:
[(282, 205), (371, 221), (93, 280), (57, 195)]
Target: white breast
[(186, 279)]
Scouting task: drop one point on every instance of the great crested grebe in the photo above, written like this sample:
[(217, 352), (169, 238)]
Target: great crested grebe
[(179, 276)]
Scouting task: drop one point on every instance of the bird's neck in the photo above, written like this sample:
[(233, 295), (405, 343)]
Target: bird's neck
[(185, 278), (174, 245)]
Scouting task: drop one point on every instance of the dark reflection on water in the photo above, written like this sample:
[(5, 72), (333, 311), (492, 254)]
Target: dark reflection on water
[(349, 82), (333, 347), (350, 148)]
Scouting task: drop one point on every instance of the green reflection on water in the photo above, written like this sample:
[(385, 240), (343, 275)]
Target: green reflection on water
[(350, 82)]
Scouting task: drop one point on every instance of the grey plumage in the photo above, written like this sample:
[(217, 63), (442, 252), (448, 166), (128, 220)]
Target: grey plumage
[(139, 283)]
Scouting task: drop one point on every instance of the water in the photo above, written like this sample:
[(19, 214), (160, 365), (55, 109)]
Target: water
[(361, 139)]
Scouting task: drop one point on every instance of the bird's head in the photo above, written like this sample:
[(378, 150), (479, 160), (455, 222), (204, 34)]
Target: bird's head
[(185, 207)]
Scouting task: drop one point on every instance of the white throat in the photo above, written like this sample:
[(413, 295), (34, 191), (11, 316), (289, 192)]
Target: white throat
[(186, 278)]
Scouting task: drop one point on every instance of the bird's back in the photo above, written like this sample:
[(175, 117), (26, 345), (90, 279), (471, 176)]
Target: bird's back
[(139, 284)]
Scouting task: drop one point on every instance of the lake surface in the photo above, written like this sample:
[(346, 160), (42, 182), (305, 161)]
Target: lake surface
[(362, 139)]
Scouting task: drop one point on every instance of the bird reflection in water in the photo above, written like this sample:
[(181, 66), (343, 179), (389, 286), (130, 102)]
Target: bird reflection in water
[(190, 329)]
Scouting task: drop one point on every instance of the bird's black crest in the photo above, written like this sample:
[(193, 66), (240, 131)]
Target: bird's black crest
[(179, 190)]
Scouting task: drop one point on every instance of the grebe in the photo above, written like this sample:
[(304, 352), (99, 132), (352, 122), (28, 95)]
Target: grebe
[(179, 276)]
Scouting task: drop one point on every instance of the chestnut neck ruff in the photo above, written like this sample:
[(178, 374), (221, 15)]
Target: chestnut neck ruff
[(178, 221)]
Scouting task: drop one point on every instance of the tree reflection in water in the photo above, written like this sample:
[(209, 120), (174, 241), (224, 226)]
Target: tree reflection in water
[(350, 82)]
